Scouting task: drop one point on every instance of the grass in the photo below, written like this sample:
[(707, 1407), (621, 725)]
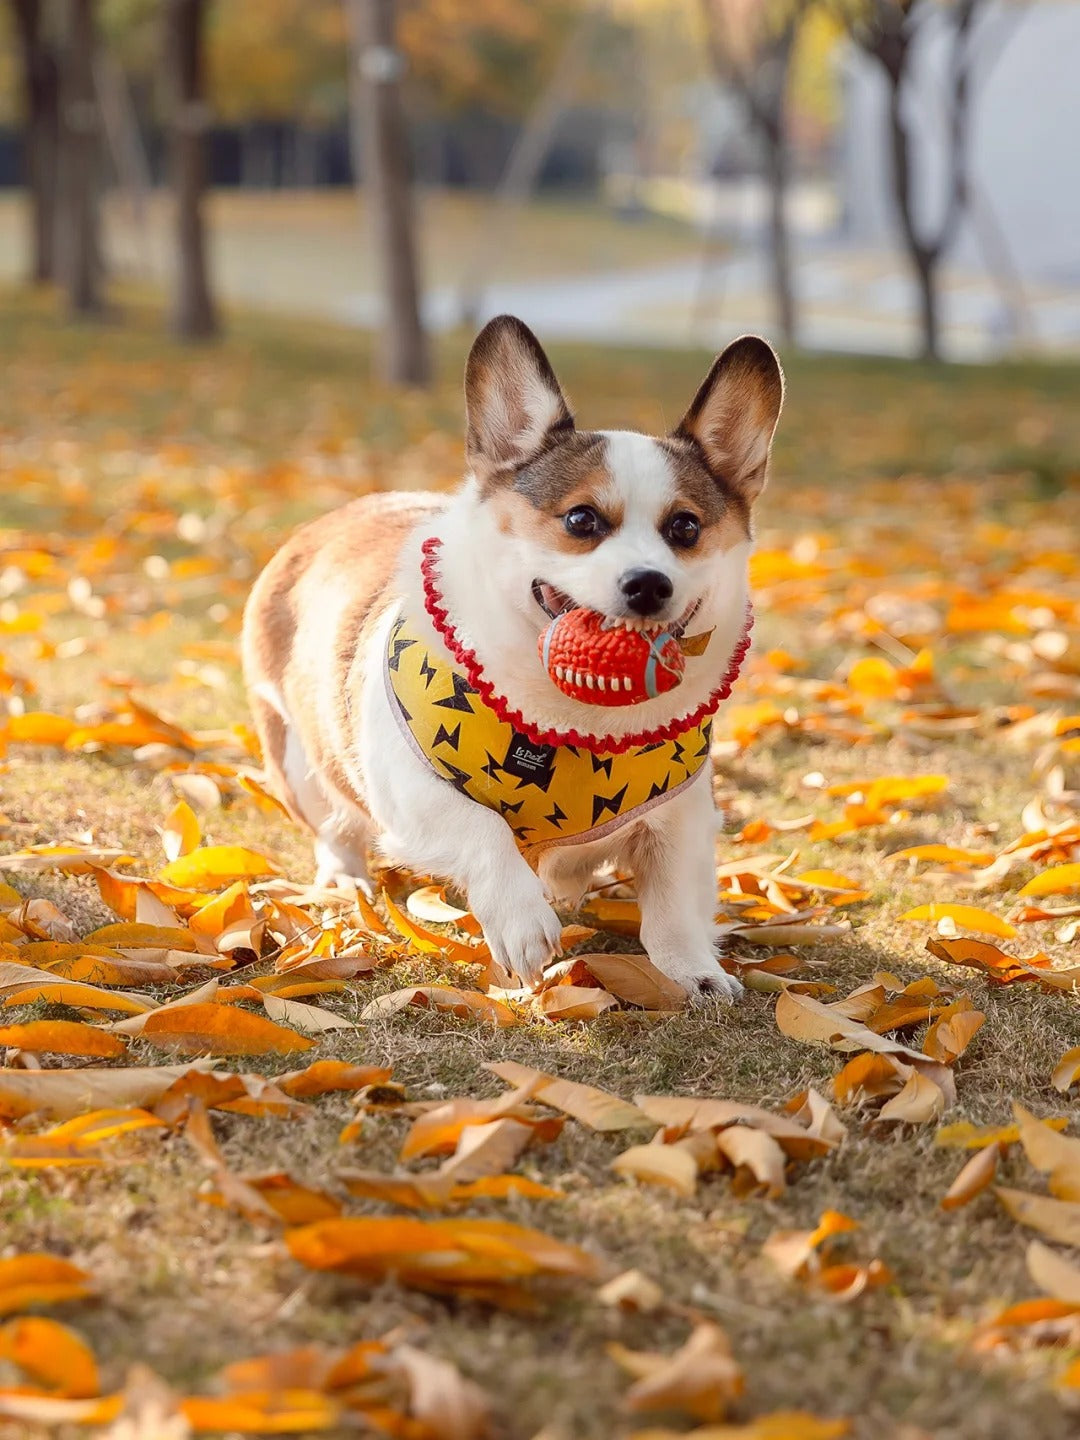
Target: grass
[(904, 481)]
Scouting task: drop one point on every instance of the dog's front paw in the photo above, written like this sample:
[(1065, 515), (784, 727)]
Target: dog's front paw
[(522, 932), (702, 977)]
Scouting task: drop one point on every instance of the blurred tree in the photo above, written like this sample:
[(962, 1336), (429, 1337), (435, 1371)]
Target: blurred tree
[(888, 31), (381, 158), (489, 54), (78, 251), (193, 314), (41, 109), (750, 44)]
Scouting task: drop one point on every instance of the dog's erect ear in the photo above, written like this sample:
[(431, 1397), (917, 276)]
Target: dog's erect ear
[(734, 414), (513, 402)]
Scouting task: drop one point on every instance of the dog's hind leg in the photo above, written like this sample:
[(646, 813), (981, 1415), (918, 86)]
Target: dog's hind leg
[(342, 833)]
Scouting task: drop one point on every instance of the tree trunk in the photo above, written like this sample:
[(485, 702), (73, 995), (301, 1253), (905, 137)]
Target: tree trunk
[(78, 244), (779, 237), (193, 315), (924, 263), (41, 89), (923, 257), (380, 155)]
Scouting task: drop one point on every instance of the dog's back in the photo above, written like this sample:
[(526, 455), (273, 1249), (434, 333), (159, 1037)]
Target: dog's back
[(305, 624)]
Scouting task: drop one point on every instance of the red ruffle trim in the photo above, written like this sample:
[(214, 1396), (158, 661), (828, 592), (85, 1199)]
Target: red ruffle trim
[(598, 744)]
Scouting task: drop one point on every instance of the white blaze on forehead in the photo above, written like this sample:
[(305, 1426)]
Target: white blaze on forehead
[(641, 476)]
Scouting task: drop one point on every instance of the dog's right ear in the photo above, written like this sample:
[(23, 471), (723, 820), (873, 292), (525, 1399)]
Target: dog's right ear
[(513, 402)]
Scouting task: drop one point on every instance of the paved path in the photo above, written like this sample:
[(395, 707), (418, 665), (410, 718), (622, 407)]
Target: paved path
[(850, 301)]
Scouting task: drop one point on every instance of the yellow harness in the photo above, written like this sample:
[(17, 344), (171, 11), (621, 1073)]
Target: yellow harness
[(548, 794)]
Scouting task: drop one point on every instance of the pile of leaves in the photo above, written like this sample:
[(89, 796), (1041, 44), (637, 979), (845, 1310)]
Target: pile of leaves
[(429, 1177)]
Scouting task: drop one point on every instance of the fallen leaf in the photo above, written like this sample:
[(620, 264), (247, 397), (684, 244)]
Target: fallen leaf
[(1055, 881), (702, 1378), (1056, 1219), (919, 1102), (975, 1177), (1052, 1272), (595, 1108), (667, 1165), (67, 1093), (635, 980), (971, 917), (211, 1029), (62, 1037), (780, 1425), (1051, 1153), (632, 1291), (1067, 1070), (463, 1003), (182, 832), (322, 1077), (38, 1279), (51, 1356), (485, 1258), (278, 1412), (215, 866)]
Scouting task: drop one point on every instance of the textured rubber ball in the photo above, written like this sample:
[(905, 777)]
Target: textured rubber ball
[(592, 660)]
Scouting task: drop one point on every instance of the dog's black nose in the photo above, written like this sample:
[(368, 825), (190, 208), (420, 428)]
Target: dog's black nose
[(646, 591)]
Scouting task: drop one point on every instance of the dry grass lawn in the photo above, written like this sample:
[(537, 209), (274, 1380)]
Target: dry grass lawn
[(159, 480)]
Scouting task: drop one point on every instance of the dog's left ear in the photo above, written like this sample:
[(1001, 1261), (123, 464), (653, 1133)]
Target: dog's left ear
[(513, 402), (733, 416)]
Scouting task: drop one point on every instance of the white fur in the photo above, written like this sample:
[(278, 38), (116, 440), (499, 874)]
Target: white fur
[(486, 577), (486, 580)]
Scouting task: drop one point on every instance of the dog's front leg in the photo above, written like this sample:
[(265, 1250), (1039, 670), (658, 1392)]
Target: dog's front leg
[(672, 855), (433, 829), (473, 848)]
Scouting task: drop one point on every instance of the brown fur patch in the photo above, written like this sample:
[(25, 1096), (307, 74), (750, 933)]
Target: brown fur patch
[(722, 511), (306, 623)]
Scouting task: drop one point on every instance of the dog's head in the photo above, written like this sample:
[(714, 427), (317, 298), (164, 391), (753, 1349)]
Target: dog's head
[(638, 528)]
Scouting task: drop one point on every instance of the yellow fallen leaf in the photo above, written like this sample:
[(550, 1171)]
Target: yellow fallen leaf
[(595, 1108), (487, 1149), (38, 1279), (574, 1002), (279, 1412), (975, 1177), (667, 1165), (1051, 1153), (1056, 1219), (919, 1102), (65, 1093), (757, 1152), (780, 1425), (210, 1029), (971, 917), (463, 1003), (635, 980), (485, 1258), (1055, 881), (874, 677), (182, 833), (1067, 1070), (51, 1356), (62, 1037), (1052, 1272), (215, 866), (701, 1378)]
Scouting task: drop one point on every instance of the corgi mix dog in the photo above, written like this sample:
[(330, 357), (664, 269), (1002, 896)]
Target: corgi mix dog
[(391, 654)]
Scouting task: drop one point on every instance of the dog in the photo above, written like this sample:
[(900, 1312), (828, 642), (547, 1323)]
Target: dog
[(390, 652)]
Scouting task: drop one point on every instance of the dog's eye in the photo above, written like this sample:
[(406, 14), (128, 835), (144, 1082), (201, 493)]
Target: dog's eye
[(682, 530), (583, 522)]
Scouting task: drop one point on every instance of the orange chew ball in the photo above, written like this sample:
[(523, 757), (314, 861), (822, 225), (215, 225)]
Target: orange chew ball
[(591, 659)]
